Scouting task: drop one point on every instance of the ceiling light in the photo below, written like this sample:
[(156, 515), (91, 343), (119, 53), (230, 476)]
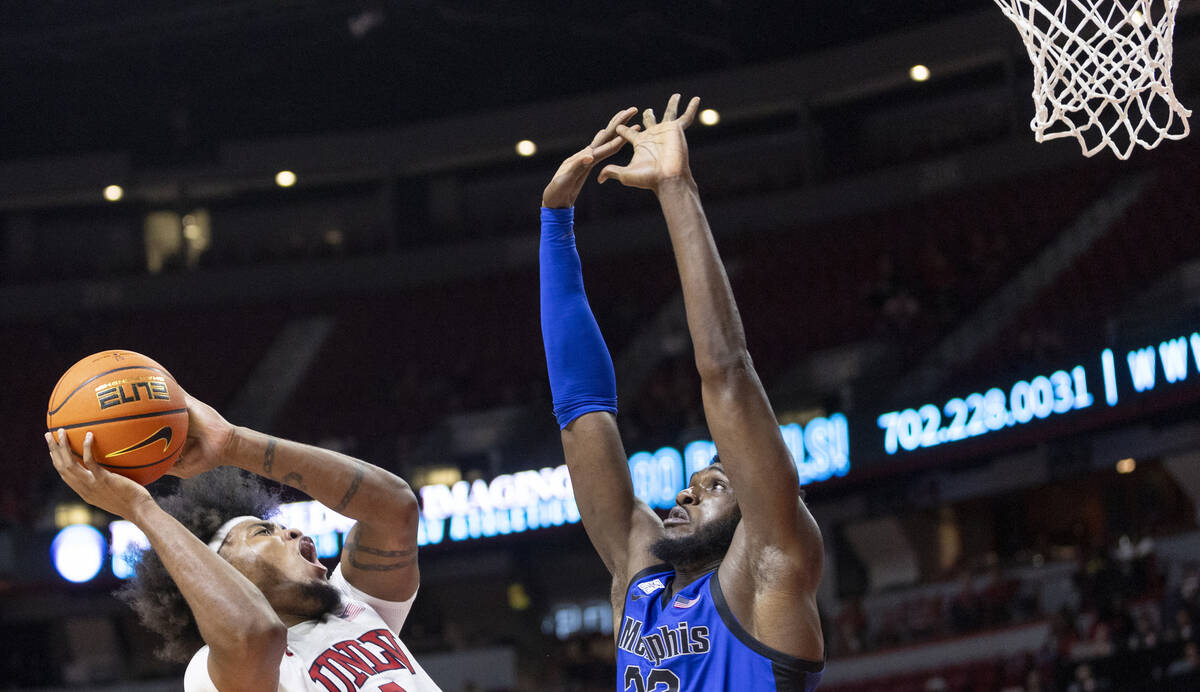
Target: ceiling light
[(526, 148), (918, 73), (285, 178)]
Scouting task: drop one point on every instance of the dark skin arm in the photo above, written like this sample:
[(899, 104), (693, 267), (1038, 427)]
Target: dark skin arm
[(620, 526), (380, 552), (245, 637), (774, 563)]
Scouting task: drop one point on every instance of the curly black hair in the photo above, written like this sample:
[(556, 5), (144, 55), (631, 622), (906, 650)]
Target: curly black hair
[(202, 504)]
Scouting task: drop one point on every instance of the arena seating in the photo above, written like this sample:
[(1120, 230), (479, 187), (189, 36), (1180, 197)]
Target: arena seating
[(211, 352), (1155, 235), (902, 272), (1126, 619)]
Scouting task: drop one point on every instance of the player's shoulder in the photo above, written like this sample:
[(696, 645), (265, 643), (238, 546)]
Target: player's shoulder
[(645, 581)]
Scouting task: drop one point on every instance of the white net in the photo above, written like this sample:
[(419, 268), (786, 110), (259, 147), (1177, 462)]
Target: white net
[(1101, 71)]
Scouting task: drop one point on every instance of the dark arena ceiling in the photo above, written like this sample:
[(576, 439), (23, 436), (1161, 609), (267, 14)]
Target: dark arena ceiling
[(167, 80)]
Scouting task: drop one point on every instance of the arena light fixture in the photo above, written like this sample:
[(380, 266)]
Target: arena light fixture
[(1126, 465), (526, 148), (710, 117), (918, 73), (114, 193), (285, 178), (70, 513), (78, 553)]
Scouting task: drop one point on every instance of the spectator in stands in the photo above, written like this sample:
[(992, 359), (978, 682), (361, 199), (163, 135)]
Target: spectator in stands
[(892, 297), (1086, 681), (965, 608), (851, 628), (1145, 634), (1182, 629), (1187, 667)]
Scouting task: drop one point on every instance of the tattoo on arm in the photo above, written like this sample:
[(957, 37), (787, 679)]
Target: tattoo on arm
[(269, 457), (402, 558), (353, 489), (295, 480), (386, 567)]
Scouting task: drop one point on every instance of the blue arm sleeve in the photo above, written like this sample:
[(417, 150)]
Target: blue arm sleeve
[(582, 379)]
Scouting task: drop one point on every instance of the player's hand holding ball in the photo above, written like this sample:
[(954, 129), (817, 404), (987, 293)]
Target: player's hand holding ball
[(95, 484), (208, 438)]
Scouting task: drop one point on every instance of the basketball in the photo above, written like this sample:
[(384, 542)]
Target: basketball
[(132, 406)]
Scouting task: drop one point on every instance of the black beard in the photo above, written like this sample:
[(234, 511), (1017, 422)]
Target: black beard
[(325, 597), (706, 545)]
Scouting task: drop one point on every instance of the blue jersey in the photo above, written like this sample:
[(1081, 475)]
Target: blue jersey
[(694, 643)]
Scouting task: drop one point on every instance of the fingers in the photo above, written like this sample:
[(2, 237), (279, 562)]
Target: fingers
[(690, 114), (627, 133), (672, 108), (611, 171), (89, 461), (648, 120), (52, 444), (607, 133), (62, 458), (611, 145)]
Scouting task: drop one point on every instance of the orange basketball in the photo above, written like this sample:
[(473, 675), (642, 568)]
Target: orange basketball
[(132, 406)]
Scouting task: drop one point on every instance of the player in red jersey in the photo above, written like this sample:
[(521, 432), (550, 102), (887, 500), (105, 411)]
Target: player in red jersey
[(245, 598)]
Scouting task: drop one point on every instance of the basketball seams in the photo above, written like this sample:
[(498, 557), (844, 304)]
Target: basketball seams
[(95, 377), (136, 416)]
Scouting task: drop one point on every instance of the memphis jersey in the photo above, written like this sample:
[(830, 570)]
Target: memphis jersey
[(692, 642), (355, 649)]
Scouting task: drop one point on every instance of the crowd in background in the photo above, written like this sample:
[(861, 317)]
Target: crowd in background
[(1128, 623)]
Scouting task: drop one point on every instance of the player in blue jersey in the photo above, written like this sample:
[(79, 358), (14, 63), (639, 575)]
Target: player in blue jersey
[(721, 595)]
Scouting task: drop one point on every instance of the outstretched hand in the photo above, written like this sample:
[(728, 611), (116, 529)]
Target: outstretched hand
[(659, 151), (208, 436), (95, 484), (564, 187)]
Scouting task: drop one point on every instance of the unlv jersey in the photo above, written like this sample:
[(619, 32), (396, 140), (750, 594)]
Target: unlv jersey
[(354, 649), (692, 642)]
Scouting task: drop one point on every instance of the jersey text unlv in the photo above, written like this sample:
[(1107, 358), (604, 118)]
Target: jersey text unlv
[(352, 661)]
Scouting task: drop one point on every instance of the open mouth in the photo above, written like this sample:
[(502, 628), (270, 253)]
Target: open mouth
[(308, 550), (676, 516)]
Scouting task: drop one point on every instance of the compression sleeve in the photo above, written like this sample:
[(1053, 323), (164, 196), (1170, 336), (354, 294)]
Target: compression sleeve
[(582, 379)]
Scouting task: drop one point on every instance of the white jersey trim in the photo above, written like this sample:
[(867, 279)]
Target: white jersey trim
[(394, 613)]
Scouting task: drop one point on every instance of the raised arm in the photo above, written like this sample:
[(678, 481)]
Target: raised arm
[(740, 418), (582, 381), (380, 553), (246, 638)]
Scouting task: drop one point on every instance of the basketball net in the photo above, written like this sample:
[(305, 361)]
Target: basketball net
[(1101, 71)]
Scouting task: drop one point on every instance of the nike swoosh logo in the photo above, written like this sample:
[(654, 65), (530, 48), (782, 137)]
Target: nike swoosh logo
[(638, 596), (163, 433)]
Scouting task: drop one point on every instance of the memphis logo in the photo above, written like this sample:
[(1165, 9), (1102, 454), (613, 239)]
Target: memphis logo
[(663, 643)]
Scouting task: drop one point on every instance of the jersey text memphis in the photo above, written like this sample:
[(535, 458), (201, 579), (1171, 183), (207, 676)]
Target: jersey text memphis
[(355, 649), (694, 643)]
